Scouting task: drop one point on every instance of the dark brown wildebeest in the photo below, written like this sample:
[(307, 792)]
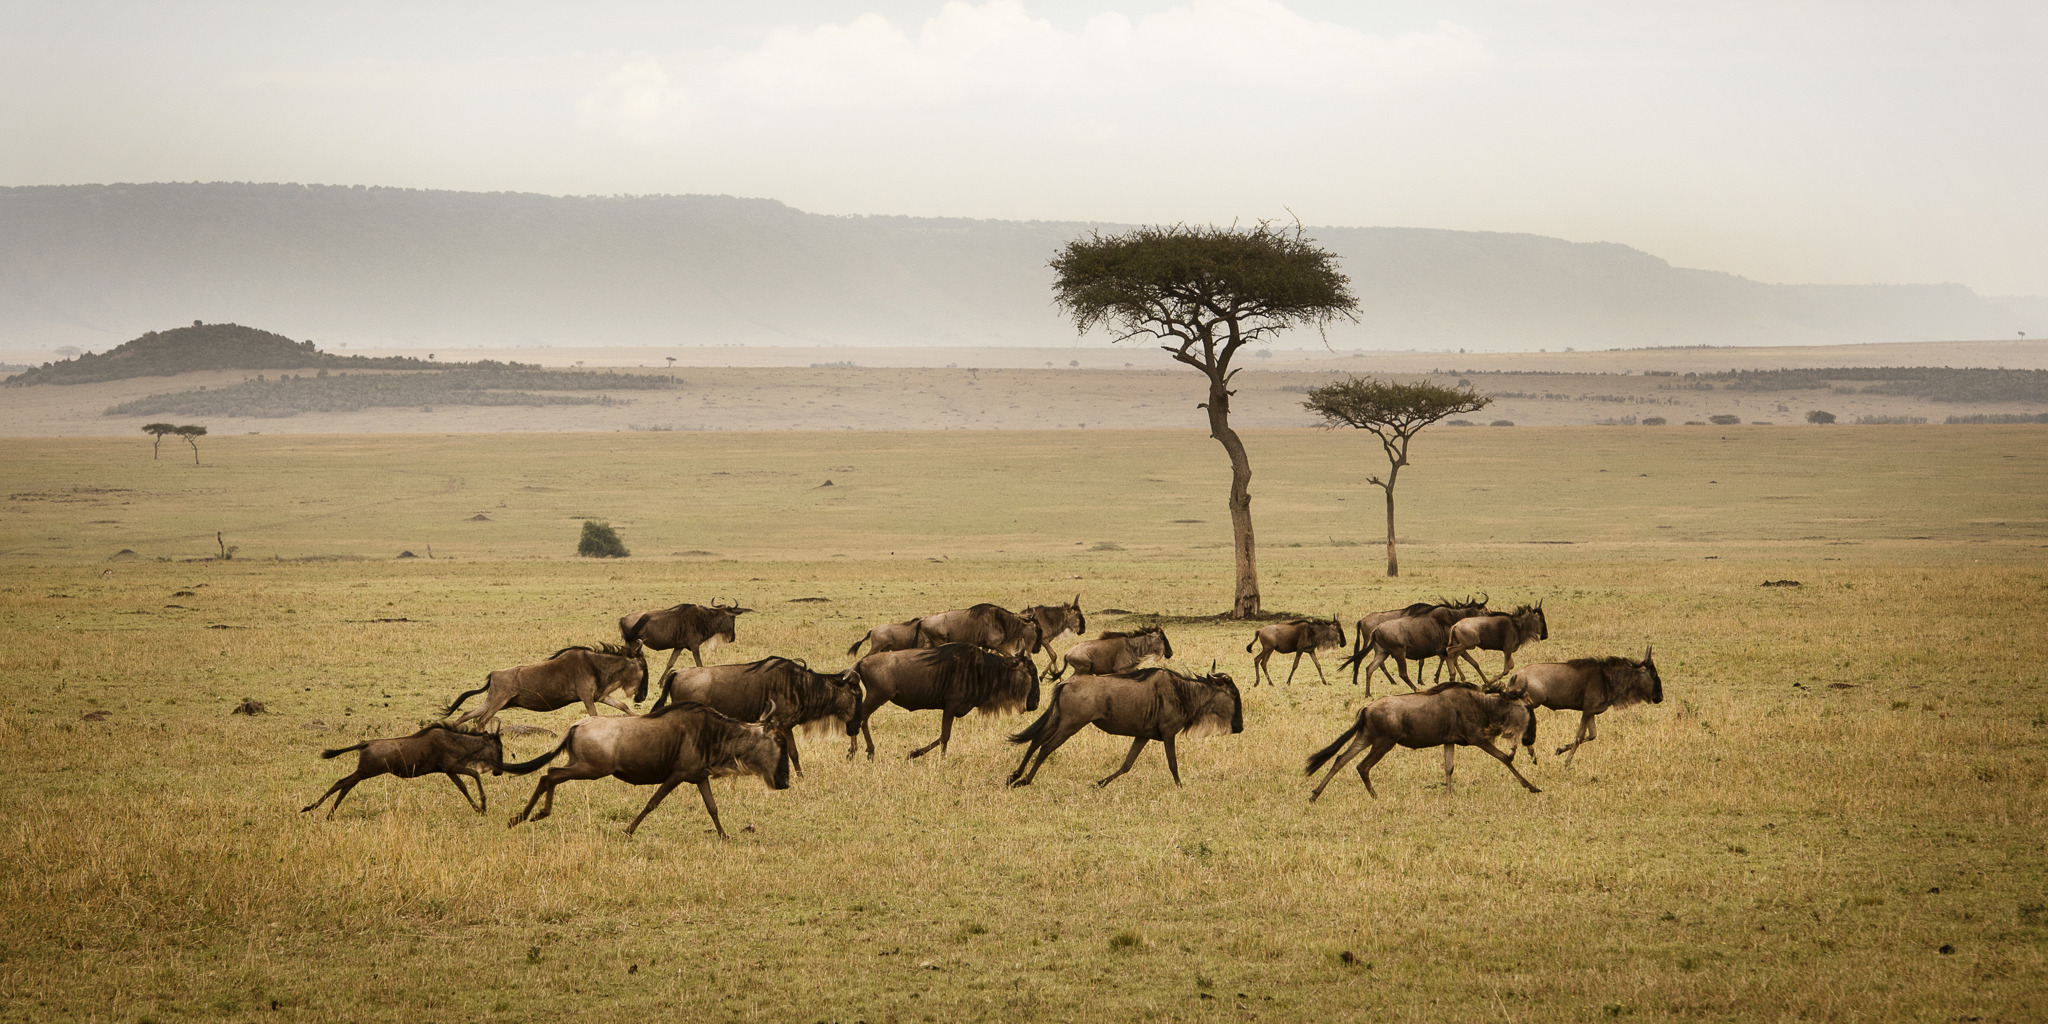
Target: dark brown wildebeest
[(1118, 652), (1443, 611), (1588, 686), (1408, 635), (1506, 632), (1449, 714), (801, 697), (685, 742), (892, 636), (1299, 637), (953, 679), (984, 625), (686, 627), (1153, 704), (437, 749), (572, 674)]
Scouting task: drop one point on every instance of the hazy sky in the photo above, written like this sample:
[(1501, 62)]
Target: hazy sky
[(1788, 141)]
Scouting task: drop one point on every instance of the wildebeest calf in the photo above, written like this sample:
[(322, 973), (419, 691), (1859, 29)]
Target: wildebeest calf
[(1299, 637), (1448, 715), (437, 749), (1118, 652)]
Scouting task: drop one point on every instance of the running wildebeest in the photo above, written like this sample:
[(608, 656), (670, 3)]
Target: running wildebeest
[(953, 679), (684, 742), (686, 627), (437, 749), (1586, 685), (1506, 632), (1153, 704), (572, 674), (1055, 621), (1409, 635), (984, 625), (1118, 652), (1299, 637), (800, 696), (893, 636), (1449, 714)]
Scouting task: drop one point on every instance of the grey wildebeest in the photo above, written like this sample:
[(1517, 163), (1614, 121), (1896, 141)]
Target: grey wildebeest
[(570, 675), (952, 679), (892, 636), (1448, 715), (684, 742), (984, 625), (1299, 637), (800, 696), (1118, 652), (1588, 686), (1153, 704), (438, 749), (1055, 621), (1416, 633), (686, 627), (1506, 632)]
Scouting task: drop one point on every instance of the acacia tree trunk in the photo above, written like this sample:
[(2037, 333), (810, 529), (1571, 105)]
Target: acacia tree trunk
[(1246, 602), (1393, 562)]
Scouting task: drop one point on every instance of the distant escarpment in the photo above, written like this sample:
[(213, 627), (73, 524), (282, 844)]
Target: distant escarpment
[(203, 347)]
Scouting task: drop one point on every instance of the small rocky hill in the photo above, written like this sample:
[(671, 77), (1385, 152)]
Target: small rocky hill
[(205, 347)]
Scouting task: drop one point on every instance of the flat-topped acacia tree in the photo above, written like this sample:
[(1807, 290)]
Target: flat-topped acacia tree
[(1205, 292), (1394, 413)]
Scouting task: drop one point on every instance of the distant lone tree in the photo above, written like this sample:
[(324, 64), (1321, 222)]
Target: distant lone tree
[(1724, 420), (600, 541), (191, 433), (1817, 416), (157, 430), (1394, 413), (1205, 292)]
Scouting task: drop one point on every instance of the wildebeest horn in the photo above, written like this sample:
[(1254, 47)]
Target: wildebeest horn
[(1077, 599), (1646, 653), (765, 713)]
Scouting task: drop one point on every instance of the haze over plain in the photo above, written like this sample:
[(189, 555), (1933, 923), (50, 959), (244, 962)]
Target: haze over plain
[(1822, 144)]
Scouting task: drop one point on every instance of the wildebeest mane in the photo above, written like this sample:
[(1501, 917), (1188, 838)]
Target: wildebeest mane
[(1447, 686), (1119, 635), (1210, 723), (972, 677), (466, 728), (609, 650)]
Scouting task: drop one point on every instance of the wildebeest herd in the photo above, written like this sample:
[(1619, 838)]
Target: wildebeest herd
[(712, 721)]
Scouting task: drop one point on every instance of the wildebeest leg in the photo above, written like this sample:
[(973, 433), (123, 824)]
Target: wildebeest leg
[(1450, 763), (853, 741), (1130, 759), (457, 779), (1172, 760), (344, 784), (694, 656), (1055, 736), (871, 699), (494, 702), (1401, 662), (654, 801), (1487, 745), (614, 702), (945, 733), (1586, 735), (1317, 662), (710, 805), (1291, 668), (1259, 666), (548, 782), (796, 764), (1379, 750), (1358, 744)]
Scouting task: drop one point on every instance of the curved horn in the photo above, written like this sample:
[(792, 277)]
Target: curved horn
[(1077, 600), (1646, 653), (765, 713)]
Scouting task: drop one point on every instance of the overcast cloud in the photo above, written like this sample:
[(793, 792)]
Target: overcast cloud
[(1797, 142)]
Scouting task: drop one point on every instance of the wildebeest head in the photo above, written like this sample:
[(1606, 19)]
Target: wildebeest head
[(1543, 624), (1323, 631), (1023, 673), (639, 667), (475, 747), (1656, 681), (755, 748), (1223, 682), (722, 624)]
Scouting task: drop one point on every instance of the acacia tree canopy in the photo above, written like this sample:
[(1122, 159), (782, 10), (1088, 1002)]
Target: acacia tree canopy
[(1393, 412), (157, 430), (1205, 292)]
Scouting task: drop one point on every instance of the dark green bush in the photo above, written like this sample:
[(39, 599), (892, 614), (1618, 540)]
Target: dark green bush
[(600, 541)]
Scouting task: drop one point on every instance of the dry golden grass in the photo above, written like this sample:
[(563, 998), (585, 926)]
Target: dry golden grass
[(1762, 846)]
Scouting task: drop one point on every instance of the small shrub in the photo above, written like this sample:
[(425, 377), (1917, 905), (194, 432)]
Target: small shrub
[(600, 541), (1817, 416), (1126, 939), (1653, 421), (1502, 423), (1458, 423), (1724, 420)]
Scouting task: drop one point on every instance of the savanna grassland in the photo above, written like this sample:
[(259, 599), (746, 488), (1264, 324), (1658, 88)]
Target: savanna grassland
[(1837, 814)]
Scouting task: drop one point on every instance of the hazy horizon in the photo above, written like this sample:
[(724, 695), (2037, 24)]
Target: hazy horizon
[(1826, 143)]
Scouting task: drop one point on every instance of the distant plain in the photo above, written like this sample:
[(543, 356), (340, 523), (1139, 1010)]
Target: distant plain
[(1836, 815)]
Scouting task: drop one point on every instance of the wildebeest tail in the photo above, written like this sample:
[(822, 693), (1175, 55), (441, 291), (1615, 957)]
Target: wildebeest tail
[(529, 767), (465, 696), (856, 644), (1322, 757), (338, 751), (1036, 730), (1248, 647)]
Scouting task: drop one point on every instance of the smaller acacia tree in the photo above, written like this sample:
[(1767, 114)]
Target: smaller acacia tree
[(191, 432), (1820, 416), (599, 540), (157, 430), (1394, 413)]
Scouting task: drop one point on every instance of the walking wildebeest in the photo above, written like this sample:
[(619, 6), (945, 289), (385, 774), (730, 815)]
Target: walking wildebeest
[(1118, 652), (1506, 632), (1302, 636), (984, 625), (1443, 611), (1410, 634), (686, 627), (572, 674), (1055, 621), (801, 697), (437, 749), (893, 636), (1449, 714), (684, 742), (1153, 704), (1586, 685), (951, 678)]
